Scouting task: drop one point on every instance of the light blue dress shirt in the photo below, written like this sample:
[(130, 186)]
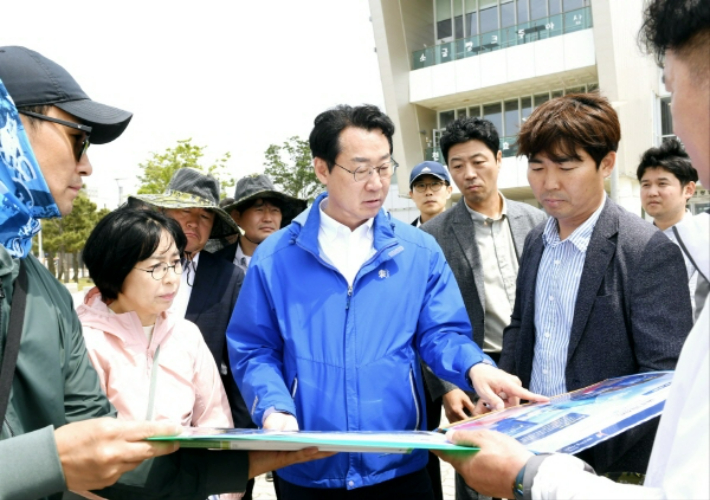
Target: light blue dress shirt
[(556, 290)]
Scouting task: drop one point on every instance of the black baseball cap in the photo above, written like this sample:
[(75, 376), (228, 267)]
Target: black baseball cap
[(33, 80)]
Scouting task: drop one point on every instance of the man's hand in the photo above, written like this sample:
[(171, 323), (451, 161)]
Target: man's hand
[(455, 404), (498, 388), (280, 422), (265, 461), (94, 453), (493, 469)]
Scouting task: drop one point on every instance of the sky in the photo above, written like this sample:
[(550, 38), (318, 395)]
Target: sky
[(233, 76)]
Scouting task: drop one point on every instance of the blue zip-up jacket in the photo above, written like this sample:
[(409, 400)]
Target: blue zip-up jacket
[(344, 358)]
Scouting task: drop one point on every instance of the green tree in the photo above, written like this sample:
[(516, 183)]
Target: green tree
[(159, 169), (290, 166)]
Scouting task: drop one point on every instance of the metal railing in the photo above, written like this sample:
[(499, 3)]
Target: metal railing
[(547, 27)]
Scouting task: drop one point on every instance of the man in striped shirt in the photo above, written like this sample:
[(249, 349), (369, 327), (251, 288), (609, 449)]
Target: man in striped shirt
[(601, 293)]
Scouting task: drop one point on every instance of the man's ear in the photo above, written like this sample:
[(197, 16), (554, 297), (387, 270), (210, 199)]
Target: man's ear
[(499, 158), (449, 190), (607, 164), (322, 171), (236, 216), (689, 190)]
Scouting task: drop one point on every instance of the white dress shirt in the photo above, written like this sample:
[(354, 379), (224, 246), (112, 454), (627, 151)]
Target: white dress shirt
[(187, 279), (241, 260), (344, 249)]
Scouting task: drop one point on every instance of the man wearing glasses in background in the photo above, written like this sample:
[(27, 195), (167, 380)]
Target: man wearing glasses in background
[(429, 188), (335, 309)]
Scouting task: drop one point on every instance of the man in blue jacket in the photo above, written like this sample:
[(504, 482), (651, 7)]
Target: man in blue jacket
[(334, 312)]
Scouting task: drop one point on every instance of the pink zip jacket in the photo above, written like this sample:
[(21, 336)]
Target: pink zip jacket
[(188, 386)]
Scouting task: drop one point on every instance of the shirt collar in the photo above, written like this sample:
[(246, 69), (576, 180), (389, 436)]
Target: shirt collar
[(478, 216), (333, 230), (580, 237)]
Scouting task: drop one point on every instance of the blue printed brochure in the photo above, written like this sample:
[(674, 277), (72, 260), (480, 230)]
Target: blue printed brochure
[(569, 423)]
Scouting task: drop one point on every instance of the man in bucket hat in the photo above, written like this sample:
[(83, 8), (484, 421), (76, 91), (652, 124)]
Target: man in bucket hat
[(259, 210)]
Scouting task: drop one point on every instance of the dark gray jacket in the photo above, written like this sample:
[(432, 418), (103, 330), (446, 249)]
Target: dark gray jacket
[(632, 315), (456, 234)]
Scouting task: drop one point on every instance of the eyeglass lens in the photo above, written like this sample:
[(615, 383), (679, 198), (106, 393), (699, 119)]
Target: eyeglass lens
[(160, 270), (435, 186)]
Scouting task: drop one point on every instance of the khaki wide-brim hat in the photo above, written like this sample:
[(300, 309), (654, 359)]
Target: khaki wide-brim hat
[(260, 186), (190, 188)]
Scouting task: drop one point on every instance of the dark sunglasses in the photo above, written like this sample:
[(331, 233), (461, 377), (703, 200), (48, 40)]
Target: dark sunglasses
[(80, 146)]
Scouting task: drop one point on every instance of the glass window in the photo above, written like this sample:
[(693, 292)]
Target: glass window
[(525, 108), (474, 111), (575, 90), (666, 118), (574, 4), (446, 117), (512, 119), (471, 17), (507, 14), (458, 19), (538, 9), (489, 19), (541, 98), (461, 113), (523, 11), (555, 7), (492, 113), (443, 19), (556, 94), (592, 87)]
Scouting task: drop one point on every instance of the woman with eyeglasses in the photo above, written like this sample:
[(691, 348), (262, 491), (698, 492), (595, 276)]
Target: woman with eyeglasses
[(151, 364)]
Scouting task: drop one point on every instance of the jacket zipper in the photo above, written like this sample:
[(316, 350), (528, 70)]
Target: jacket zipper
[(414, 395)]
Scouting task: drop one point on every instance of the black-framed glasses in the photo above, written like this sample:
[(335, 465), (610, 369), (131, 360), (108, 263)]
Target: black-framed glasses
[(81, 144), (160, 270), (420, 187), (385, 171)]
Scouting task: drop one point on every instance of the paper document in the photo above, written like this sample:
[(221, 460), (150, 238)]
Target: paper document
[(569, 423)]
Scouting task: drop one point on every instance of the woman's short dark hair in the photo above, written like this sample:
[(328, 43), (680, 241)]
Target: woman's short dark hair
[(325, 136), (469, 129), (122, 239), (669, 156), (562, 125)]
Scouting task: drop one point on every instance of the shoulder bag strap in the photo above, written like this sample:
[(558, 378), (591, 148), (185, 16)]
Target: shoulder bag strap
[(14, 333)]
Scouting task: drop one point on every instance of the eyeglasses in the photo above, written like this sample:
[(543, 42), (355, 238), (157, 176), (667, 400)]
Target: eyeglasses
[(435, 186), (385, 171), (160, 270), (81, 143)]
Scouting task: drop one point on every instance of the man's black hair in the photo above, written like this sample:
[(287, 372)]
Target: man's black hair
[(325, 136), (121, 240), (674, 24), (243, 207), (669, 156), (42, 109), (469, 129)]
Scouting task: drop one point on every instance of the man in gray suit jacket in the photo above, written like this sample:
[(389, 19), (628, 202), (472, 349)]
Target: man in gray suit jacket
[(601, 293), (482, 237)]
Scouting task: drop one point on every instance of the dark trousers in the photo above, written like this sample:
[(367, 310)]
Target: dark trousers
[(433, 419), (414, 486)]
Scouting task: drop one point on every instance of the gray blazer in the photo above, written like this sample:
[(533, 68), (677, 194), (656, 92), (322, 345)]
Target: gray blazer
[(456, 234), (632, 315)]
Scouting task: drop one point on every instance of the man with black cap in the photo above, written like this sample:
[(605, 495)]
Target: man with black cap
[(259, 210), (429, 188), (52, 438)]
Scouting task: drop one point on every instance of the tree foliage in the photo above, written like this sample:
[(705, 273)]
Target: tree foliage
[(290, 166), (159, 169)]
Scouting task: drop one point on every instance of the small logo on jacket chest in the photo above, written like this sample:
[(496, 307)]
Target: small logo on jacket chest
[(384, 273)]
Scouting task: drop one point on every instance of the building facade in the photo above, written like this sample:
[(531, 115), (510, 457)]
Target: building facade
[(499, 59)]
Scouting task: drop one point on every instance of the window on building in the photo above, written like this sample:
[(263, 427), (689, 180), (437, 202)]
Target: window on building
[(512, 118), (474, 111), (555, 7), (525, 108), (538, 9), (541, 98), (493, 113), (471, 18), (446, 117), (507, 14), (444, 29), (488, 15), (460, 113), (592, 87), (523, 16), (556, 93), (458, 19), (666, 118), (575, 90), (574, 4)]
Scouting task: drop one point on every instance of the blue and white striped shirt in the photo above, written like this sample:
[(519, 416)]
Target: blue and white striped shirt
[(555, 296)]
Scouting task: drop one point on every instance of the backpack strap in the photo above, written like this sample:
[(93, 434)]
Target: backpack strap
[(14, 334)]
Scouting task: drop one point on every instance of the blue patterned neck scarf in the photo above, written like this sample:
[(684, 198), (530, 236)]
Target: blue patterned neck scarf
[(24, 195)]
